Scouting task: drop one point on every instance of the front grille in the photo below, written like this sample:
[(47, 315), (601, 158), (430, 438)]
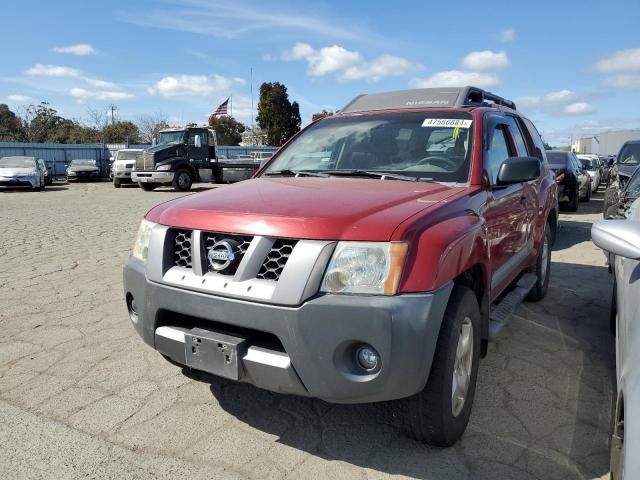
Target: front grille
[(182, 249), (210, 239), (276, 259), (272, 265), (144, 161)]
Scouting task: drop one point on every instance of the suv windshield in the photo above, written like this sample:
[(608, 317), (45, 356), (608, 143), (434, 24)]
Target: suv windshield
[(171, 137), (630, 154), (127, 155), (587, 164), (435, 146), (557, 158), (17, 162)]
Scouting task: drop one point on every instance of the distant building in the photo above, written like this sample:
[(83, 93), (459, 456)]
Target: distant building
[(605, 143)]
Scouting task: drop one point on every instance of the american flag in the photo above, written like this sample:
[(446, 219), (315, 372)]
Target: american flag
[(222, 109)]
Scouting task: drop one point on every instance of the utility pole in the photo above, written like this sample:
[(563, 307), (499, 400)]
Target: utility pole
[(253, 128), (113, 109)]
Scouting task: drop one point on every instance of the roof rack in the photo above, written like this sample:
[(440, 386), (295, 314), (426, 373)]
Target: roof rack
[(425, 98)]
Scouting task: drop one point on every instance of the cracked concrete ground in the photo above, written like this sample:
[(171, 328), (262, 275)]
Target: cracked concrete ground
[(81, 396)]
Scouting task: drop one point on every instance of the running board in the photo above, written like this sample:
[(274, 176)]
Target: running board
[(501, 313)]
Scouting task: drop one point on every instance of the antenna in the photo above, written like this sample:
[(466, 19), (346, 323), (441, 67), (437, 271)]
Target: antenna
[(113, 109)]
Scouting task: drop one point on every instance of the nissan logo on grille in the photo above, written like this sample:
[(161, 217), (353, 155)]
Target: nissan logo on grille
[(222, 254)]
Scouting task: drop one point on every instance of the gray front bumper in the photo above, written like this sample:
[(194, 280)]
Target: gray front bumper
[(152, 177), (317, 336)]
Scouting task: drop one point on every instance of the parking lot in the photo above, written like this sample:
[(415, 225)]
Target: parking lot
[(82, 396)]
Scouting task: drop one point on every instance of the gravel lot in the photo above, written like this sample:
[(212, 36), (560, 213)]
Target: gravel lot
[(82, 396)]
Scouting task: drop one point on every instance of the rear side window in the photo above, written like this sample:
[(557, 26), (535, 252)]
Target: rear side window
[(516, 134), (537, 140), (497, 153)]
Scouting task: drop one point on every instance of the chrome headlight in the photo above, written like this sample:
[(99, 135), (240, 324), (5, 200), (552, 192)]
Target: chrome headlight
[(164, 167), (365, 267), (141, 245)]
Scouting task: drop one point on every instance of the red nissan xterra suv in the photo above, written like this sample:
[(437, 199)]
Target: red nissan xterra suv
[(371, 259)]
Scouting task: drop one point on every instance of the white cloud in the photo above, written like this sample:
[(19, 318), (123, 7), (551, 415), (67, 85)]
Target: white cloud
[(81, 95), (239, 18), (78, 49), (578, 108), (194, 85), (40, 70), (507, 35), (347, 64), (456, 78), (19, 98), (95, 82), (626, 81), (559, 103), (485, 60), (620, 61)]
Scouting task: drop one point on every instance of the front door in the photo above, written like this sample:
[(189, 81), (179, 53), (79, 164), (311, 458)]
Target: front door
[(507, 210)]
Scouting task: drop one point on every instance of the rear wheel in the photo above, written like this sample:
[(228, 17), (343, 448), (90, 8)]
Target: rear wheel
[(116, 183), (542, 268), (572, 204), (439, 414), (148, 187), (182, 181), (587, 197)]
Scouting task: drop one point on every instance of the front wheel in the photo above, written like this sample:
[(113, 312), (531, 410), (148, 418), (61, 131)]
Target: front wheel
[(147, 187), (542, 268), (116, 183), (182, 181), (439, 414), (572, 205)]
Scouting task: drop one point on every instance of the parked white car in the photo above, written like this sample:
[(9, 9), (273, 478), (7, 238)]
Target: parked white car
[(621, 239), (591, 163), (21, 172), (123, 163)]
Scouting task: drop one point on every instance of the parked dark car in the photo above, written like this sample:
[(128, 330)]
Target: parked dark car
[(83, 169), (620, 172), (574, 183)]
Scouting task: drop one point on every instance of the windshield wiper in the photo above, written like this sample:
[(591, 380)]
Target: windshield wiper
[(291, 173)]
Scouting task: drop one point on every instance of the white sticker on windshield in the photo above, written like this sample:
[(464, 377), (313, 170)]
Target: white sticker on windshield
[(447, 122)]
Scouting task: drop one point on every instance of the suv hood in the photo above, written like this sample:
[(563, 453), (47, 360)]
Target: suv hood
[(626, 170), (306, 208)]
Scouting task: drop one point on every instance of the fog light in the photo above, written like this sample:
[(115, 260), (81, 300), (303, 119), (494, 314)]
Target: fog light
[(367, 358), (131, 307)]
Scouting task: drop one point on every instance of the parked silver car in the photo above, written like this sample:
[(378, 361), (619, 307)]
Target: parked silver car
[(621, 239), (21, 172)]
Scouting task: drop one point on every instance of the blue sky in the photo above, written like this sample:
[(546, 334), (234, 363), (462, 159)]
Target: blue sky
[(573, 69)]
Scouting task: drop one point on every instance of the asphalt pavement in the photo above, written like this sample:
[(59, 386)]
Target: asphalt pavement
[(81, 396)]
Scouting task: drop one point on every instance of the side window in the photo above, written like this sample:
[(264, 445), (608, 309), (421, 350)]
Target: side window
[(497, 153), (516, 134), (537, 140), (211, 142)]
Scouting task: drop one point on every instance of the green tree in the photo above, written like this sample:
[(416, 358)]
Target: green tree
[(121, 132), (44, 123), (277, 116), (11, 127), (320, 115), (228, 129)]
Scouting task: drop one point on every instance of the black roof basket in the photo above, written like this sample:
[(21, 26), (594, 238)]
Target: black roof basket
[(425, 98)]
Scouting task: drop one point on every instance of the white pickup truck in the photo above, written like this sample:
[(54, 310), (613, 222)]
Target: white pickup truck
[(124, 161)]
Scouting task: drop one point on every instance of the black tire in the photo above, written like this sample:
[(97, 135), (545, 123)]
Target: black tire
[(429, 415), (541, 270), (182, 181), (148, 187), (116, 183), (572, 204), (587, 197)]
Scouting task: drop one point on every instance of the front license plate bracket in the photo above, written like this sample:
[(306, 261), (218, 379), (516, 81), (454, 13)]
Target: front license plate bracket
[(214, 352)]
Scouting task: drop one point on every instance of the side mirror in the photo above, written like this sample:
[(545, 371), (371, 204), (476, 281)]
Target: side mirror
[(519, 169), (620, 237), (198, 142)]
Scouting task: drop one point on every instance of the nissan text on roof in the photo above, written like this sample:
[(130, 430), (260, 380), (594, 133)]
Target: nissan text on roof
[(371, 259)]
